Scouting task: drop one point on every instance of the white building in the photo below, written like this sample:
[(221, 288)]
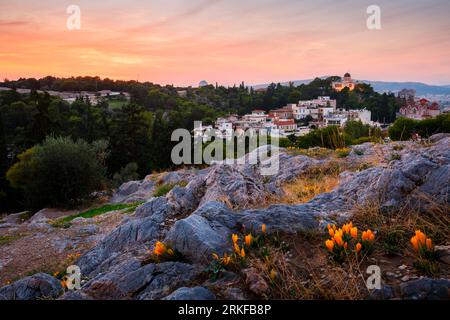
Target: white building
[(316, 108), (341, 116), (336, 120)]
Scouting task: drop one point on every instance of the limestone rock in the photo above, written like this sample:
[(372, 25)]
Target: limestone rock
[(40, 285), (196, 293)]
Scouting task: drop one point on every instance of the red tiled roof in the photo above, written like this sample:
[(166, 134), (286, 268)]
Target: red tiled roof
[(434, 106), (282, 110), (285, 122)]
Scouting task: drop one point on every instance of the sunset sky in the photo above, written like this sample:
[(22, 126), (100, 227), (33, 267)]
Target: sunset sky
[(257, 41)]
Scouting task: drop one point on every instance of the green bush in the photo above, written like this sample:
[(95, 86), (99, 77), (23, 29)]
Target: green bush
[(59, 172), (127, 173), (403, 128), (362, 140), (331, 137)]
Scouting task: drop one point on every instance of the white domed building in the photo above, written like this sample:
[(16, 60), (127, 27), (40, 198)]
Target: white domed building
[(202, 83), (346, 82)]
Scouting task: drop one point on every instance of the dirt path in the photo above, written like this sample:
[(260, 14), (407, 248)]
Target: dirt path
[(26, 250)]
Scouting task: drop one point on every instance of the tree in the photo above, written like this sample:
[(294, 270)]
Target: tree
[(58, 172), (131, 139), (41, 123)]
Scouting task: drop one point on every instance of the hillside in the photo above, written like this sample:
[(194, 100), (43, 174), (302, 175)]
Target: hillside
[(383, 86), (190, 237)]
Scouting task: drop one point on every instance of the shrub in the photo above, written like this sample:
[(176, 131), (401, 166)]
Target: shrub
[(362, 140), (127, 173), (404, 127), (356, 129), (59, 172)]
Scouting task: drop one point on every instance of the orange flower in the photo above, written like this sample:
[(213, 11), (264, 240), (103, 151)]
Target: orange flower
[(226, 259), (235, 238), (330, 245), (358, 247), (273, 274), (338, 239), (415, 243), (236, 248), (345, 245), (429, 244), (346, 228), (368, 235), (242, 253), (331, 232), (248, 240), (421, 237), (159, 249), (263, 228), (354, 232), (170, 252)]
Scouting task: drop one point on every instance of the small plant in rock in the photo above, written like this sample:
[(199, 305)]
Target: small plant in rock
[(348, 240), (398, 147), (364, 166), (218, 265), (164, 189), (395, 157), (163, 252), (392, 241), (342, 152), (426, 254), (358, 152)]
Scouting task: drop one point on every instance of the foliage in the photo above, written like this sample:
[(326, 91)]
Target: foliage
[(342, 152), (163, 189), (426, 254), (139, 130), (403, 128), (127, 173), (395, 157), (59, 172), (348, 240), (163, 252)]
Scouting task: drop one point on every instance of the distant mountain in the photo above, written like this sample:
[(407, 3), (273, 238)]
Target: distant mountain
[(421, 88), (384, 86)]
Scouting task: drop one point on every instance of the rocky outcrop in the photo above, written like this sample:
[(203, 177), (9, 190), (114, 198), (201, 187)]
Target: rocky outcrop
[(196, 293), (134, 191), (199, 218), (204, 232), (426, 288), (38, 286)]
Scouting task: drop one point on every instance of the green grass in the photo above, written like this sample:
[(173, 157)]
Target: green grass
[(165, 188), (65, 222)]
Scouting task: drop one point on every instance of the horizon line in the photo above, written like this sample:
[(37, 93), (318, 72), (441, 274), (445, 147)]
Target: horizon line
[(224, 85)]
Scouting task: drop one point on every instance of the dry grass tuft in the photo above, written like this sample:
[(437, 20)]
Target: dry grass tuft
[(309, 274), (317, 180), (303, 190), (396, 228)]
